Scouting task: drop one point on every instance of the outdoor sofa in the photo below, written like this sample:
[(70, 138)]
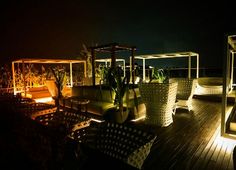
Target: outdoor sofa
[(101, 100)]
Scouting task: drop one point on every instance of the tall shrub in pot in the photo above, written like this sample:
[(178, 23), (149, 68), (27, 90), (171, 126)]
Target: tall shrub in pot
[(120, 86), (56, 83)]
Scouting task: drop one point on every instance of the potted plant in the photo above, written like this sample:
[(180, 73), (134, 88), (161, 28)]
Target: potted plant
[(158, 76), (159, 96), (56, 80), (120, 86)]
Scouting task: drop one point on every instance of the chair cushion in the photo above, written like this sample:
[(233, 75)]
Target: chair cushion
[(99, 107)]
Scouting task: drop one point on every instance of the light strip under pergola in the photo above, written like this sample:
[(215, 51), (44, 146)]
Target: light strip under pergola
[(171, 55), (23, 61)]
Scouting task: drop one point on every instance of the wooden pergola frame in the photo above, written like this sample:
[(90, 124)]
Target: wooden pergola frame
[(112, 49), (108, 60), (189, 55), (44, 61), (228, 71)]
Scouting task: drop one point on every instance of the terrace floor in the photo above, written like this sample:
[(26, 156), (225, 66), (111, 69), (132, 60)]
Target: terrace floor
[(193, 141)]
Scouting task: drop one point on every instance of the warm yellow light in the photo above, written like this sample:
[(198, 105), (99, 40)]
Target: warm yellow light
[(140, 118), (225, 143), (96, 120), (137, 80), (222, 142), (43, 100)]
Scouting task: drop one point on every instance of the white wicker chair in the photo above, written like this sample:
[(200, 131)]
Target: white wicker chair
[(185, 91), (159, 99)]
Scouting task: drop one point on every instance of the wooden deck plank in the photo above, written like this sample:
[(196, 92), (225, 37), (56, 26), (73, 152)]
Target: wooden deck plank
[(199, 145), (221, 156), (191, 142)]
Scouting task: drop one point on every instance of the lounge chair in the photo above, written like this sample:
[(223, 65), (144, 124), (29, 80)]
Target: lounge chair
[(185, 91)]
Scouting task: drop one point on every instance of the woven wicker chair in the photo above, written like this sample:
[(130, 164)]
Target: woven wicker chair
[(185, 91), (66, 118), (159, 99), (122, 142)]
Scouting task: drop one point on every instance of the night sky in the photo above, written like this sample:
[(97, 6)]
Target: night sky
[(58, 29)]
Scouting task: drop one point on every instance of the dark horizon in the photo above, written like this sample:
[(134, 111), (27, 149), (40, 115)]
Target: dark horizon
[(59, 29)]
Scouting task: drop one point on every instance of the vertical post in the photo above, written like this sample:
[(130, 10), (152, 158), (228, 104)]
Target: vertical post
[(13, 77), (130, 68), (232, 71), (29, 76), (23, 71), (189, 66), (93, 65), (225, 86), (71, 76), (132, 57), (124, 67), (144, 71), (85, 69), (197, 71), (113, 56)]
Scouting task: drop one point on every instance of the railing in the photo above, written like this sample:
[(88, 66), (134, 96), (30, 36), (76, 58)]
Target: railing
[(6, 90)]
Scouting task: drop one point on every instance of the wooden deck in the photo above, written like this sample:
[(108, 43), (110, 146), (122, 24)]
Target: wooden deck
[(193, 141)]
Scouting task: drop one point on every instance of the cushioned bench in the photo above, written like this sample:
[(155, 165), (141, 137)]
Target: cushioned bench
[(102, 99), (209, 85)]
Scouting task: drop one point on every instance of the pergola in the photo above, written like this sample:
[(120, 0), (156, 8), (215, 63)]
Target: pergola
[(44, 61), (188, 55), (108, 60), (112, 48), (228, 81)]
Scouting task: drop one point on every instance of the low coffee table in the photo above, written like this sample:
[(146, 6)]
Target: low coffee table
[(82, 104)]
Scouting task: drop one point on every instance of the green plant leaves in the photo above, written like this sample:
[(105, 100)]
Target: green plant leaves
[(158, 75)]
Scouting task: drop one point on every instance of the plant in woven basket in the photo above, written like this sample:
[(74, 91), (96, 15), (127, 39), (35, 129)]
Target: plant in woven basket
[(158, 76), (159, 96)]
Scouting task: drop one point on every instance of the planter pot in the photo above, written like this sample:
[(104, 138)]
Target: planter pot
[(159, 99), (52, 88), (114, 115)]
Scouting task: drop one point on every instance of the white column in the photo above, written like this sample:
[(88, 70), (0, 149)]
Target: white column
[(197, 71), (144, 71), (130, 68)]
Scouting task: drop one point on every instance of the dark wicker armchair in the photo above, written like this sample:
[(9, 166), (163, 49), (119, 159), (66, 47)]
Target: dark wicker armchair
[(122, 142)]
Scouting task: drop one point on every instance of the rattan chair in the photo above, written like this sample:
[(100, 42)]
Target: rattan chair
[(185, 91), (159, 99), (122, 142)]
